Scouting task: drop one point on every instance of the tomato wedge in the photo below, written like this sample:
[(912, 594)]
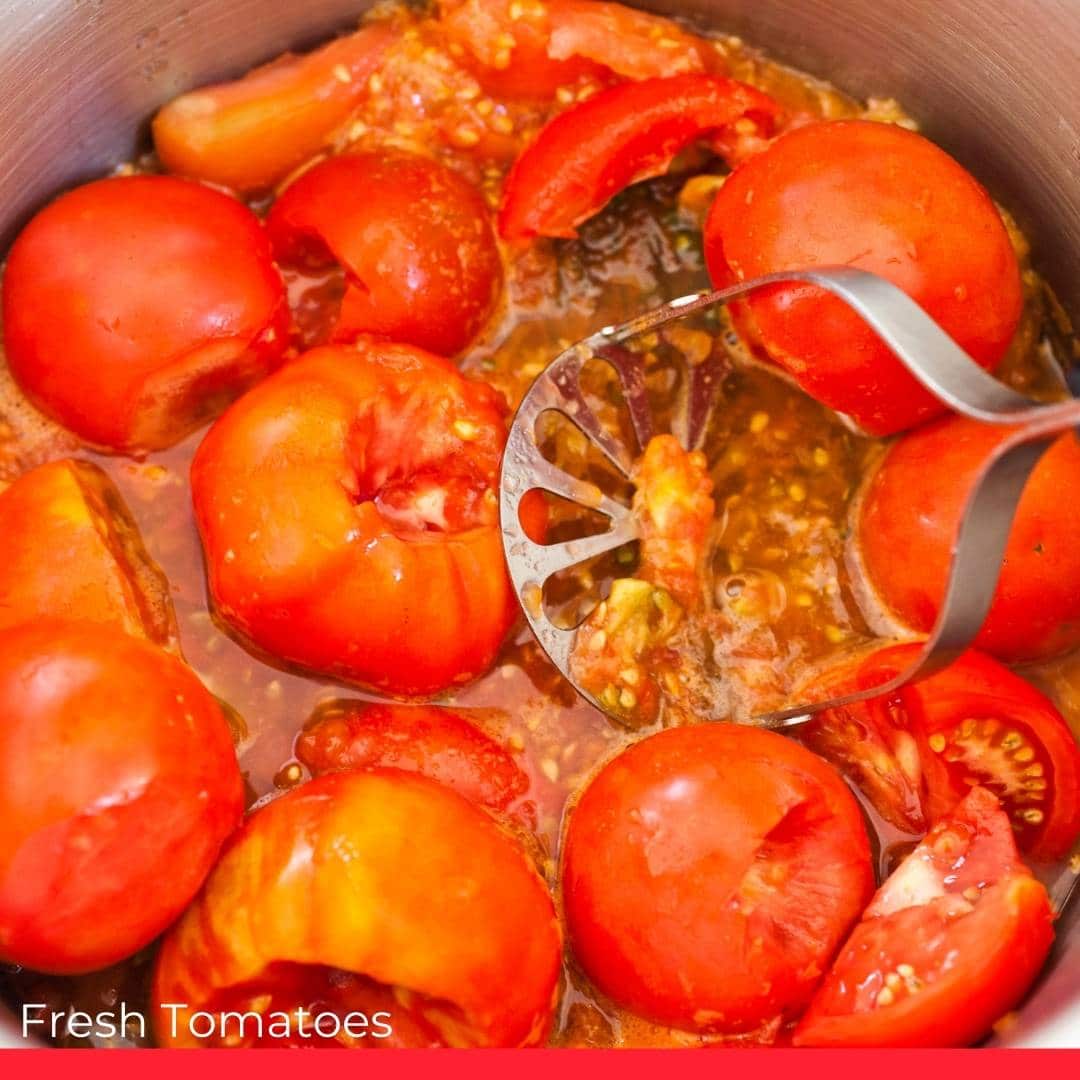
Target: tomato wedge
[(950, 943), (249, 134), (586, 155), (917, 752), (530, 48), (710, 873)]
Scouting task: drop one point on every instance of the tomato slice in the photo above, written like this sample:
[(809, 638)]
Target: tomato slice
[(414, 238), (531, 48), (950, 943), (437, 742), (917, 752), (710, 873), (249, 134), (586, 155)]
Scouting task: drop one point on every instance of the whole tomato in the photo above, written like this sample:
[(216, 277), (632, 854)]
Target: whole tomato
[(908, 524), (881, 198), (118, 785), (348, 514), (136, 308), (383, 875)]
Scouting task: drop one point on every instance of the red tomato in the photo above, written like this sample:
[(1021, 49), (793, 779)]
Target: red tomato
[(859, 193), (908, 524), (620, 136), (413, 237), (70, 545), (347, 510), (136, 307), (251, 133), (385, 875), (118, 784), (529, 48), (918, 752), (439, 743), (710, 873), (949, 945)]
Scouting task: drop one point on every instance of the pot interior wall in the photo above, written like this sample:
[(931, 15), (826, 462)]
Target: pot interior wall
[(995, 84)]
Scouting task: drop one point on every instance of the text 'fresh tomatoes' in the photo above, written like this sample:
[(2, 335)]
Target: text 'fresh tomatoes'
[(249, 134), (118, 784), (413, 238), (908, 526), (136, 308), (380, 874), (586, 155), (881, 198), (709, 875), (949, 945), (348, 513), (917, 752)]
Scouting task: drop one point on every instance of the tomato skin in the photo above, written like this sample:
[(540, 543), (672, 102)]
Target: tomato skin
[(118, 785), (415, 240), (678, 854), (70, 545), (913, 505), (436, 742), (386, 874), (347, 522), (627, 133), (250, 133), (136, 307), (968, 920), (541, 47), (877, 197)]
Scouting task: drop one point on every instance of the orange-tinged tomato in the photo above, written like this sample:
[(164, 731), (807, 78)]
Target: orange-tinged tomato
[(136, 308), (878, 197), (436, 742), (414, 239), (909, 519), (709, 875), (917, 752), (118, 785), (70, 546), (347, 510), (250, 133), (382, 874), (949, 945)]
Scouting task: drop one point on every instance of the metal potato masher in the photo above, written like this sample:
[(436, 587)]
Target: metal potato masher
[(922, 346)]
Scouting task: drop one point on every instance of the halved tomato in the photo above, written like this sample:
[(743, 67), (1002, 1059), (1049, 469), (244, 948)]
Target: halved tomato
[(709, 875), (950, 943), (381, 889), (414, 240), (436, 742), (917, 752), (631, 132), (69, 544)]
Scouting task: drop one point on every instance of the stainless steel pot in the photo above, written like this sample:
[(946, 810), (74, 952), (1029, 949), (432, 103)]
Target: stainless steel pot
[(995, 83)]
